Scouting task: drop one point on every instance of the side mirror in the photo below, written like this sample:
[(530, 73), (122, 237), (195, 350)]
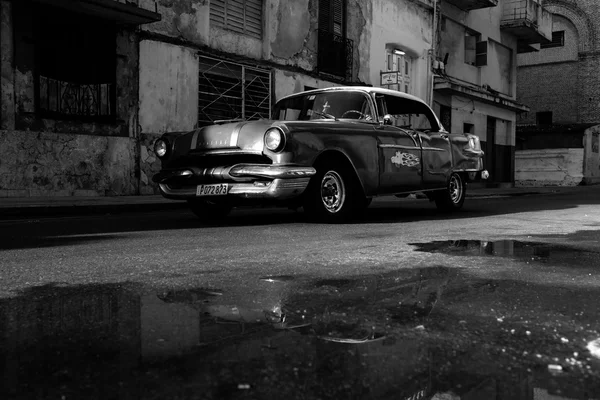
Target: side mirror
[(388, 119)]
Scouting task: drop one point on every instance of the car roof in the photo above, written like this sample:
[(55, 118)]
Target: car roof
[(367, 89)]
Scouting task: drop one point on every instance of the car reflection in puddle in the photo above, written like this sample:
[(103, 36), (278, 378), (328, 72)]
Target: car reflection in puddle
[(379, 336)]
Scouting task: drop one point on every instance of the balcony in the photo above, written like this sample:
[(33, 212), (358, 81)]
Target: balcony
[(468, 5), (130, 12), (527, 20), (335, 55)]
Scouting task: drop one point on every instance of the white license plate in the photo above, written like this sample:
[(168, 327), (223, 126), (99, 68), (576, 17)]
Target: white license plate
[(212, 190)]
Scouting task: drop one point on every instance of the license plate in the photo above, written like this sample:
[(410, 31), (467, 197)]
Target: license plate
[(212, 190)]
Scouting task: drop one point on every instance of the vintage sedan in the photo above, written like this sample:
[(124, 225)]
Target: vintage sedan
[(329, 151)]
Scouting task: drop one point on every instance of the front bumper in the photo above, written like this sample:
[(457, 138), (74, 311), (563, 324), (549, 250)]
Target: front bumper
[(246, 181)]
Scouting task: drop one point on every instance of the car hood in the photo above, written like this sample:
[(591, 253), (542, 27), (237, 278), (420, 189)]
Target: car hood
[(247, 135)]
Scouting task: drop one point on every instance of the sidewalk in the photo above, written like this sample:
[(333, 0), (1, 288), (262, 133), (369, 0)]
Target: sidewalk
[(49, 206)]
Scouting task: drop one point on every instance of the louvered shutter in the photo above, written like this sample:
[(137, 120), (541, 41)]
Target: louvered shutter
[(338, 17), (325, 15), (241, 16), (331, 16)]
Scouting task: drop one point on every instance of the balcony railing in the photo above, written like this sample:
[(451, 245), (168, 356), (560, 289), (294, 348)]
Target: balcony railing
[(527, 20), (468, 5), (335, 55)]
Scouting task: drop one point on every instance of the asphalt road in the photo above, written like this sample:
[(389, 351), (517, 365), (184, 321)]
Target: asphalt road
[(497, 301)]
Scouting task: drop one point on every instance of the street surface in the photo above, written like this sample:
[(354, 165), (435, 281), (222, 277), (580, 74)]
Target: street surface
[(498, 301)]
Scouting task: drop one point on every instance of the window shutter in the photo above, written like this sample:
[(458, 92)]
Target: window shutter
[(338, 17), (325, 15), (254, 17), (217, 13), (481, 53), (239, 16)]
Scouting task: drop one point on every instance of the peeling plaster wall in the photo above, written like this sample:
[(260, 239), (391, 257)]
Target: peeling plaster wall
[(168, 100), (549, 167), (184, 19), (405, 25), (292, 27), (7, 79), (58, 164)]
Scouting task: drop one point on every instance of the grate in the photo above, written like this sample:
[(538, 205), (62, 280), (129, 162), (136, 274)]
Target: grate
[(230, 90)]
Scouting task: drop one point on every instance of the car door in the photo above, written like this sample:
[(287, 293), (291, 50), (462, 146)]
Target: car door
[(437, 159), (399, 160)]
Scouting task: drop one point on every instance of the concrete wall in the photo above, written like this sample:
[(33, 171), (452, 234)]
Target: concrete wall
[(549, 167), (591, 167), (61, 164)]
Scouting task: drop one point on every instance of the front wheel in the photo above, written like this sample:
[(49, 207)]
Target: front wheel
[(208, 211), (453, 197), (333, 194)]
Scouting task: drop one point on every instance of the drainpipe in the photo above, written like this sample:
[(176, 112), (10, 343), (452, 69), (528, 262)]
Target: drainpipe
[(433, 49)]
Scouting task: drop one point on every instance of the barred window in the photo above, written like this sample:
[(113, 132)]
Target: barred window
[(75, 57), (241, 16), (229, 90)]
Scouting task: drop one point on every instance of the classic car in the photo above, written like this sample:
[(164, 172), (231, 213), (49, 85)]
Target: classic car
[(329, 151)]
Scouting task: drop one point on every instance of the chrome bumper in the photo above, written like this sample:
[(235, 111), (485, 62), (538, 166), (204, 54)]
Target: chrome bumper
[(238, 172), (277, 189), (251, 181)]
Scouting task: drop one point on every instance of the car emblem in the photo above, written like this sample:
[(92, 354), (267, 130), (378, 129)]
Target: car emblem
[(405, 159)]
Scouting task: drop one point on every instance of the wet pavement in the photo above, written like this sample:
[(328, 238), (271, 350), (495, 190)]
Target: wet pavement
[(428, 332)]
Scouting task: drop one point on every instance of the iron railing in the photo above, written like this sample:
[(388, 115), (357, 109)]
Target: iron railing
[(518, 10), (335, 54), (71, 99)]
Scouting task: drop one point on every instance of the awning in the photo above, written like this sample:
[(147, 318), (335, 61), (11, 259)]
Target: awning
[(114, 10)]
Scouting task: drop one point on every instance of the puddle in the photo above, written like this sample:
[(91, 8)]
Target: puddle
[(530, 251), (413, 333)]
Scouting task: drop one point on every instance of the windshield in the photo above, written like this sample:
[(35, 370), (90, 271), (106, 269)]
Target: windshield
[(328, 105), (407, 113)]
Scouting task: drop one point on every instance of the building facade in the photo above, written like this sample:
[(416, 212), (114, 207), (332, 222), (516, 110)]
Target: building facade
[(87, 86), (558, 138), (475, 87), (560, 83)]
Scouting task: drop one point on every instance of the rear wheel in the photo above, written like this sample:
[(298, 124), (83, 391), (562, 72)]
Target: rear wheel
[(333, 194), (453, 197), (209, 211)]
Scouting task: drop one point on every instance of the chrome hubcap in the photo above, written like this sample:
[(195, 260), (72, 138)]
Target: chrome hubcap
[(333, 192), (455, 188)]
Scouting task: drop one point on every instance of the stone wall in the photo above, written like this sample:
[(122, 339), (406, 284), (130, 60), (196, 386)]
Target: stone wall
[(62, 164)]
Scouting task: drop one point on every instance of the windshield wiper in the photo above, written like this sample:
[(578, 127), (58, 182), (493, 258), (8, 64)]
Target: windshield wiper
[(325, 115)]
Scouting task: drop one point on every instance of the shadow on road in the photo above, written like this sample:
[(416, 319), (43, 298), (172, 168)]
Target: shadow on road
[(21, 234)]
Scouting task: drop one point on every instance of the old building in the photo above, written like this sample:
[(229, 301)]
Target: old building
[(561, 85), (88, 85), (475, 88)]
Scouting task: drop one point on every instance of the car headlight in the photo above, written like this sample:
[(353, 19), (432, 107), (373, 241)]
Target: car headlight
[(274, 139), (161, 148)]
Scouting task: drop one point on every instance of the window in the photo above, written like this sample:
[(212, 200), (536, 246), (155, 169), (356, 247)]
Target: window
[(400, 63), (75, 66), (335, 52), (241, 16), (332, 16), (232, 91), (407, 113), (558, 40), (543, 118), (468, 128), (325, 105), (475, 49)]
